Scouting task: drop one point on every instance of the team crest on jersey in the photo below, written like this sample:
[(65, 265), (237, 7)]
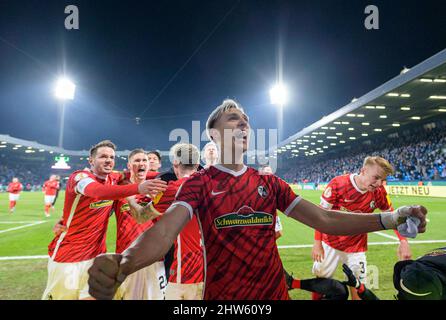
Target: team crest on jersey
[(327, 192), (80, 176), (101, 204), (125, 207), (262, 191), (372, 204), (245, 216)]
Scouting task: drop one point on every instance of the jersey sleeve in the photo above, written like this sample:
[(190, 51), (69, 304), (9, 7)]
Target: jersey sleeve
[(286, 198), (328, 198), (190, 193)]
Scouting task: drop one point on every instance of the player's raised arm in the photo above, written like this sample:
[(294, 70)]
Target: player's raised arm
[(337, 223), (108, 273)]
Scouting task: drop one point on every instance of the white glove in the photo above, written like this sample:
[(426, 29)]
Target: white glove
[(405, 219)]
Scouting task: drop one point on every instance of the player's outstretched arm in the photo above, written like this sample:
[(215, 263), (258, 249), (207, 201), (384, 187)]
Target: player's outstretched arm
[(142, 214), (106, 274), (340, 223)]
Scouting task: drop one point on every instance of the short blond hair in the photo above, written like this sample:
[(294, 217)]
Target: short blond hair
[(381, 162), (186, 155), (217, 113)]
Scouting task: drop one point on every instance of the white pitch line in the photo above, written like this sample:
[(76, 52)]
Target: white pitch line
[(23, 258), (385, 235), (280, 247), (21, 227), (18, 222), (301, 246)]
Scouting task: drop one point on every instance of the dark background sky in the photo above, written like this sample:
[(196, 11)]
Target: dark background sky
[(126, 52)]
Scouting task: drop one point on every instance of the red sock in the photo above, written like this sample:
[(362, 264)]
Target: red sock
[(47, 208), (316, 296), (11, 204), (295, 284)]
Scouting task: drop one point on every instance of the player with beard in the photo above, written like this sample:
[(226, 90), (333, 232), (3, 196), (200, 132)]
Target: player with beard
[(87, 207)]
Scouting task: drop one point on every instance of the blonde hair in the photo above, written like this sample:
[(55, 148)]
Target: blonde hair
[(216, 114), (381, 162), (186, 155)]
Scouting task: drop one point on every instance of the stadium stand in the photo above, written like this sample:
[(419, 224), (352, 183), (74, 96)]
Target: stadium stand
[(418, 154)]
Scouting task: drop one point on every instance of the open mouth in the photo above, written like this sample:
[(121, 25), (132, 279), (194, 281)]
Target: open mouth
[(141, 170)]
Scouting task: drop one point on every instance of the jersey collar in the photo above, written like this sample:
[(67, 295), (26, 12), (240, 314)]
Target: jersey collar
[(229, 171), (354, 183)]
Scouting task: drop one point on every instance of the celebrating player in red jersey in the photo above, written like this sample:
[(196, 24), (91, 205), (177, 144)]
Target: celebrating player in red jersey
[(88, 204), (50, 188), (353, 193), (210, 154), (149, 282), (236, 208), (14, 189), (187, 269), (154, 160)]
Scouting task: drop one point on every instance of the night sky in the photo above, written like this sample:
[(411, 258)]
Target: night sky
[(172, 62)]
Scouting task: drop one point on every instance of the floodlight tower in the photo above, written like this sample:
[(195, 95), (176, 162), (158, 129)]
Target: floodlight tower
[(279, 97), (64, 91)]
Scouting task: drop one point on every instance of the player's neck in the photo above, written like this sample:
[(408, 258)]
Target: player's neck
[(359, 183), (100, 176)]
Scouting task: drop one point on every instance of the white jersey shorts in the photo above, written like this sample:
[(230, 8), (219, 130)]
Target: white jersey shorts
[(14, 197), (49, 199), (183, 291), (356, 261), (148, 283), (67, 281)]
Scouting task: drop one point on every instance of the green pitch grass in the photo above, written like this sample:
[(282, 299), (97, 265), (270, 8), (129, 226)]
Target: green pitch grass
[(27, 232)]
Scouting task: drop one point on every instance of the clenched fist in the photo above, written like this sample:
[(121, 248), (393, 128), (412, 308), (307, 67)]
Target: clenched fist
[(105, 276)]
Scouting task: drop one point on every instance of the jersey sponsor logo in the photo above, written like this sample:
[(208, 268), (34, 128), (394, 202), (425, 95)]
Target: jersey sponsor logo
[(213, 193), (372, 205), (245, 216), (101, 204), (125, 207), (327, 192), (262, 191), (80, 176)]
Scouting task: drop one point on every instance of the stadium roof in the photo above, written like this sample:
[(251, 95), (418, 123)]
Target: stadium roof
[(33, 147), (417, 94)]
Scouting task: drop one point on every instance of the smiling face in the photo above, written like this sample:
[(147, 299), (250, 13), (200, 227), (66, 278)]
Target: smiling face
[(103, 161), (232, 130), (138, 165)]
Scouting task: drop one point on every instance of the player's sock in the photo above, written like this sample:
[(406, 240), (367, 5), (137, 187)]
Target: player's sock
[(47, 209), (295, 284), (316, 296), (12, 205)]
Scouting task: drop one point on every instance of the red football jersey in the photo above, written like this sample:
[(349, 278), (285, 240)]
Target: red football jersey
[(237, 214), (127, 227), (86, 220), (188, 264), (343, 194), (15, 187), (50, 187)]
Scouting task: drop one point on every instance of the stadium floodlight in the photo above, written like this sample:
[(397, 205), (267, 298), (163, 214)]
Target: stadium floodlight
[(442, 109), (440, 80), (279, 95), (64, 89), (438, 97), (405, 108), (416, 118)]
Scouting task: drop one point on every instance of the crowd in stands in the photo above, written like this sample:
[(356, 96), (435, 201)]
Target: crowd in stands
[(417, 155)]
